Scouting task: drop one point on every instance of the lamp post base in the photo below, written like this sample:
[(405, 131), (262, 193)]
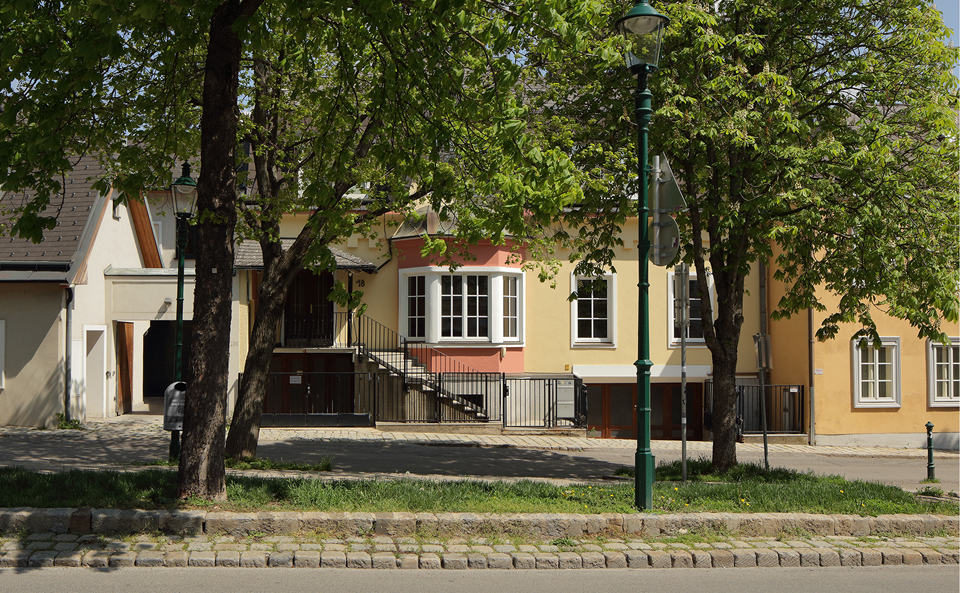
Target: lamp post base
[(645, 471)]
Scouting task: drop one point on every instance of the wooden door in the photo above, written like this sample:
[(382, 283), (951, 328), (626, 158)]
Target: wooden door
[(612, 410), (124, 367)]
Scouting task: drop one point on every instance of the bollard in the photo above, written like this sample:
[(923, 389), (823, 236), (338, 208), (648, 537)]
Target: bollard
[(930, 469)]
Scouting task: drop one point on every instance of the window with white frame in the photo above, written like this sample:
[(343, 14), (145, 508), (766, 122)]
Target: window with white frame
[(593, 311), (876, 373), (943, 373), (467, 306), (464, 306), (695, 328), (511, 308), (416, 307)]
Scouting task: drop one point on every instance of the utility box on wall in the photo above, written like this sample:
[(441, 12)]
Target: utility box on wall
[(566, 399)]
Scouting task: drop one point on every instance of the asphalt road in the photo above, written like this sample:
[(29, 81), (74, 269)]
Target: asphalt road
[(886, 579)]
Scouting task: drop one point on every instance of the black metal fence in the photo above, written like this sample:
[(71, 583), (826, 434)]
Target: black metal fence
[(785, 408), (362, 398)]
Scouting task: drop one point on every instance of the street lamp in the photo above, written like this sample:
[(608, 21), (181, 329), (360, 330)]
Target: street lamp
[(643, 27), (184, 192)]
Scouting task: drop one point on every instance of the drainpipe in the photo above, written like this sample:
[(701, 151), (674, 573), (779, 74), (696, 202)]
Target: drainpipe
[(811, 376), (67, 360)]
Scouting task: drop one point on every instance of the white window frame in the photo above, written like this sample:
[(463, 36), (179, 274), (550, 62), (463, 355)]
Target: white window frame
[(495, 275), (418, 298), (857, 361), (953, 371), (611, 340), (511, 300), (674, 341)]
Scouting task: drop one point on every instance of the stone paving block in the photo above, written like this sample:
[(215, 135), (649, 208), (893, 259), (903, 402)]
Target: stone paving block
[(306, 559), (358, 560), (615, 559), (383, 560), (569, 560), (121, 560), (176, 558), (766, 558), (701, 559), (94, 559), (199, 547), (593, 560), (950, 556), (204, 559), (454, 561), (394, 524), (409, 561), (681, 559), (525, 560), (66, 547), (501, 561), (659, 559), (850, 557), (635, 559), (287, 547), (546, 560), (828, 557), (476, 560), (333, 559), (430, 561), (930, 556), (891, 556), (722, 558), (744, 558), (69, 558), (870, 557), (912, 557), (789, 558), (809, 556), (150, 558), (42, 558)]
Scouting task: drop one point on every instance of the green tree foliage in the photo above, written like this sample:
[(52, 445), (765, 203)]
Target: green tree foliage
[(418, 99), (818, 136)]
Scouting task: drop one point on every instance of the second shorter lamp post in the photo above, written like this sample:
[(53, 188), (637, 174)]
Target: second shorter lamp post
[(643, 27), (184, 192)]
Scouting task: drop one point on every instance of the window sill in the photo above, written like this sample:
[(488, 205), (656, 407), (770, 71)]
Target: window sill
[(877, 404), (595, 345), (953, 403), (674, 344)]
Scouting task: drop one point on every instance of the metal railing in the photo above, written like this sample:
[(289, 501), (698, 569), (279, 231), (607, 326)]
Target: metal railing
[(785, 408)]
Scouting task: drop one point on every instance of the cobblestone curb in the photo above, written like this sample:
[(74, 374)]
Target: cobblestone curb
[(539, 526), (47, 549)]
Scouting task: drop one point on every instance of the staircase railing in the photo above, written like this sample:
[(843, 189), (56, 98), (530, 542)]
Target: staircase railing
[(416, 363)]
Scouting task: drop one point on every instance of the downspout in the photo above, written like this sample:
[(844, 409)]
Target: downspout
[(67, 359), (812, 375)]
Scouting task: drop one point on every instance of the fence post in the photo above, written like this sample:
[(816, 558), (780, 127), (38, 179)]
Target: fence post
[(439, 394), (931, 473)]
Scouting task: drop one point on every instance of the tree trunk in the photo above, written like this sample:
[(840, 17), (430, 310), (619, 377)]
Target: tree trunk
[(724, 416), (202, 472), (245, 428)]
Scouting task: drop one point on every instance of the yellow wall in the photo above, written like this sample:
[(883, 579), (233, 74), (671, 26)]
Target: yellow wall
[(837, 419)]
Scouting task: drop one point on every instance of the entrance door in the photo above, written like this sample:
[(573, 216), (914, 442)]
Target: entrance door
[(307, 312), (124, 367), (612, 410), (665, 406)]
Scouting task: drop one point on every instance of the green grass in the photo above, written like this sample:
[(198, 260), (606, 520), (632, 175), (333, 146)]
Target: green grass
[(156, 488)]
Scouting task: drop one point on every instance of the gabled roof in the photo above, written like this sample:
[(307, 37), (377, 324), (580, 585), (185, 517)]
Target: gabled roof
[(61, 254), (247, 256)]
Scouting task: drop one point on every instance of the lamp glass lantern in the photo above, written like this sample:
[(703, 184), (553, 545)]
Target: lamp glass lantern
[(185, 193), (643, 27)]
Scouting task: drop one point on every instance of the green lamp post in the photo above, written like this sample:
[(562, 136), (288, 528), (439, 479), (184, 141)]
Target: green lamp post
[(643, 27), (184, 193)]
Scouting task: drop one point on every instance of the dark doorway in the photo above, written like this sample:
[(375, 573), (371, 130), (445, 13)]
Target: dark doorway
[(308, 311), (158, 356)]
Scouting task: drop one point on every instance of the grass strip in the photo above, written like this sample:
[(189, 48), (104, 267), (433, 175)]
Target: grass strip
[(156, 489)]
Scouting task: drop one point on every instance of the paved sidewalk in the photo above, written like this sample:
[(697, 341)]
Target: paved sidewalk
[(39, 550), (144, 424)]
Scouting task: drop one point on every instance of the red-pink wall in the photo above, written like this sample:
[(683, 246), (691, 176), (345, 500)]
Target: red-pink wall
[(486, 254), (487, 360)]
